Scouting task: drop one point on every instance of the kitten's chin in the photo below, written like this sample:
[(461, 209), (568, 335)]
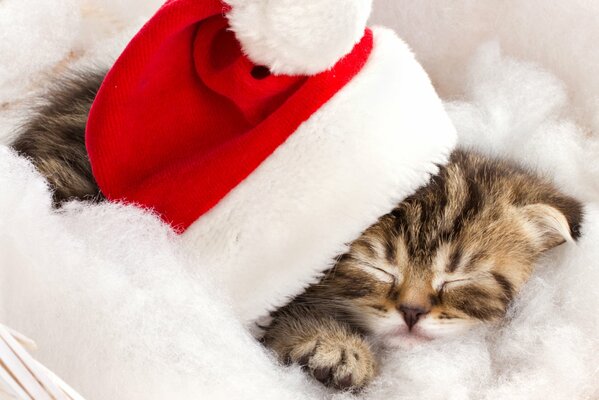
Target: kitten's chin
[(404, 339), (393, 332)]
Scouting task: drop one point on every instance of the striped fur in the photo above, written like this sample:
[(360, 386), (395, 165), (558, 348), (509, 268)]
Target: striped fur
[(54, 138), (457, 251)]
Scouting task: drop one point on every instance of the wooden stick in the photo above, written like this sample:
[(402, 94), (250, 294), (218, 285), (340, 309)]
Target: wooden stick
[(24, 378)]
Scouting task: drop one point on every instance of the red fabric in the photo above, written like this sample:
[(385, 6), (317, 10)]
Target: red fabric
[(183, 116)]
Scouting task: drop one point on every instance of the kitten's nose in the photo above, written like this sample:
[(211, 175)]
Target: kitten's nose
[(412, 314)]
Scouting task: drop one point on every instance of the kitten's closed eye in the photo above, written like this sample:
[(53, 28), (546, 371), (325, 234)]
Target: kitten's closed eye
[(380, 274), (447, 285)]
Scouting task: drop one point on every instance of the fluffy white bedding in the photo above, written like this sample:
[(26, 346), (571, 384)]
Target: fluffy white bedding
[(105, 290)]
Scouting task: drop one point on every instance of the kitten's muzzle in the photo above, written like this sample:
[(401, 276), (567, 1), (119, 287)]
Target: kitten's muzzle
[(412, 314)]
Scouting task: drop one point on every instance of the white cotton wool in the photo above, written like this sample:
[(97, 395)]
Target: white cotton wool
[(108, 25), (128, 11), (450, 369), (106, 290), (34, 35), (517, 110)]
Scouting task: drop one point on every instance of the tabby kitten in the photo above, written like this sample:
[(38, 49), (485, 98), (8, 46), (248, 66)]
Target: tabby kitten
[(450, 257)]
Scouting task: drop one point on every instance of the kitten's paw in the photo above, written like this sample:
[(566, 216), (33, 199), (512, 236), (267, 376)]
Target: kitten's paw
[(346, 364)]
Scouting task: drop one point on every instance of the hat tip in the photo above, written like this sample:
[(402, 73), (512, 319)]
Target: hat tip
[(292, 38)]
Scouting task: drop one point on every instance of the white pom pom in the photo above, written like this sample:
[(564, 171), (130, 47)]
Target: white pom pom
[(294, 37)]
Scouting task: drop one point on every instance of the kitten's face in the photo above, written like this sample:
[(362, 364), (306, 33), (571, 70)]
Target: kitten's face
[(410, 296), (451, 257)]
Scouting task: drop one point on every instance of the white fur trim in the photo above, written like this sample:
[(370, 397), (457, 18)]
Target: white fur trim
[(298, 37), (369, 147)]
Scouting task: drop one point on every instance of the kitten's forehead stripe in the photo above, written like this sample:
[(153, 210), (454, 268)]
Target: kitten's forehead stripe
[(392, 249), (454, 260), (472, 206)]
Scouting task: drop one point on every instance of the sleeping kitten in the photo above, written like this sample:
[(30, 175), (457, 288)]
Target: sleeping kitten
[(450, 257)]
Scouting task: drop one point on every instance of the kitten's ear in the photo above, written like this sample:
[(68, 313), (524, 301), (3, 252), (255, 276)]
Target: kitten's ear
[(549, 226)]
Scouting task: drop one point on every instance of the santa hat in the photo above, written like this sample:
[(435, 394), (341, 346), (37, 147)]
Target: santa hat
[(269, 133)]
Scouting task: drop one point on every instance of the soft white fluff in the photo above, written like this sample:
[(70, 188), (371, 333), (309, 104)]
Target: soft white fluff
[(298, 37), (106, 291)]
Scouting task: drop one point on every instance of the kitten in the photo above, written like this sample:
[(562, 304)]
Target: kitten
[(450, 257)]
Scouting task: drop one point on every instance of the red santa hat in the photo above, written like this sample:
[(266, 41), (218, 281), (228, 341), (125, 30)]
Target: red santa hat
[(269, 133)]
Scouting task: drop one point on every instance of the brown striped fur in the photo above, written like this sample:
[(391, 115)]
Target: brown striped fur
[(451, 256), (54, 137)]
